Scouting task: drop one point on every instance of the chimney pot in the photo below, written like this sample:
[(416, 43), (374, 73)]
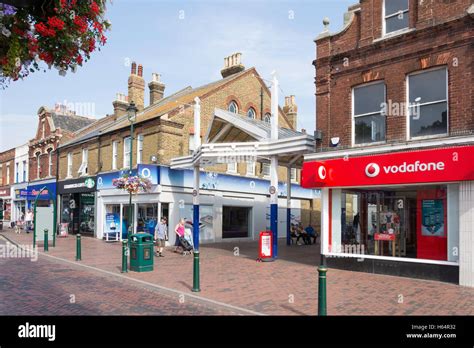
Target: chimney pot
[(140, 70), (134, 68), (232, 65)]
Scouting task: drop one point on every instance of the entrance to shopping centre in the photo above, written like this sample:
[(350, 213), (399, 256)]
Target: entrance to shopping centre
[(236, 222)]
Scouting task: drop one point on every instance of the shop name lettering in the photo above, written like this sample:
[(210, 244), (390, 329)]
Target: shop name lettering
[(36, 192), (413, 167), (37, 331)]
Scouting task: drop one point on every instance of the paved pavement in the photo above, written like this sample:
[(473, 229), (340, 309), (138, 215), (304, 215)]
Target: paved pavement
[(230, 275)]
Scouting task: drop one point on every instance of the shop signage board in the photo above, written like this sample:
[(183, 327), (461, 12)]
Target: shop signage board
[(265, 246), (32, 191), (77, 185), (384, 236), (421, 166)]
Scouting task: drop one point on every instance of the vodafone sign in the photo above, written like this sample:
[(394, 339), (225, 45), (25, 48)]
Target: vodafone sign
[(424, 166)]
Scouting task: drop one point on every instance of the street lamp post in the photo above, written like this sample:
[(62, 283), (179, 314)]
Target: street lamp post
[(132, 114)]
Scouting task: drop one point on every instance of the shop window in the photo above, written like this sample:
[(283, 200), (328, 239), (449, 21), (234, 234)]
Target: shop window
[(394, 222), (368, 118), (428, 103), (395, 15), (233, 107), (235, 222), (147, 217), (113, 228)]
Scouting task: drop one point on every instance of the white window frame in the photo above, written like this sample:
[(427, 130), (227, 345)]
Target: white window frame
[(83, 168), (24, 172), (8, 173), (267, 116), (236, 106), (140, 139), (114, 154), (353, 117), (407, 107), (50, 162), (38, 165), (251, 168), (232, 168), (266, 165), (384, 18), (251, 109), (126, 152), (69, 165), (17, 172)]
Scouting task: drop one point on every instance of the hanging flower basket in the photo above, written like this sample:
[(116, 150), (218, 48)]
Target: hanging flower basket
[(132, 184), (60, 33)]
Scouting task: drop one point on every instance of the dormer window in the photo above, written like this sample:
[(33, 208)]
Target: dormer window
[(395, 15)]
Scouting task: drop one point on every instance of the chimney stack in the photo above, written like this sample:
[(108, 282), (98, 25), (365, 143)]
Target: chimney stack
[(232, 65), (136, 86), (291, 110), (120, 105), (157, 88)]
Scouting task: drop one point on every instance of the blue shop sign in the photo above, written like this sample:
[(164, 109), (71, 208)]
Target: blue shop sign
[(32, 191), (149, 171)]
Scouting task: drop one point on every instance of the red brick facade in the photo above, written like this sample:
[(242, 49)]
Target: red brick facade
[(439, 35), (7, 160)]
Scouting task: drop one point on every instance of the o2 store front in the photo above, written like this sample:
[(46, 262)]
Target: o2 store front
[(232, 207), (407, 213)]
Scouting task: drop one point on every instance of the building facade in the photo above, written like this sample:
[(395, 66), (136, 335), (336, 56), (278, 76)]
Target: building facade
[(394, 114), (7, 177), (164, 130), (19, 202)]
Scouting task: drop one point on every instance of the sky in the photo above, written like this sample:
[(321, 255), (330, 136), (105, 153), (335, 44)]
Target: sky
[(185, 42)]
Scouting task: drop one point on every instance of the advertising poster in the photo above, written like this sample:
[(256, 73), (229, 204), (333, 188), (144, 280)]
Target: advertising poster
[(112, 223), (206, 218), (432, 223)]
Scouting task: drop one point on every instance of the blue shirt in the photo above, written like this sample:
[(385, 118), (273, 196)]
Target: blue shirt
[(309, 230), (160, 230)]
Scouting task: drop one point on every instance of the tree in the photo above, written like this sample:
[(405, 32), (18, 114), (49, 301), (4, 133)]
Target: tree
[(60, 33)]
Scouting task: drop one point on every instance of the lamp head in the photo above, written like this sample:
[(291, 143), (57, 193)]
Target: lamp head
[(132, 112)]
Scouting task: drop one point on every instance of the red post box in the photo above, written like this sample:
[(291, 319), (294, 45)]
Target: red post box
[(265, 250)]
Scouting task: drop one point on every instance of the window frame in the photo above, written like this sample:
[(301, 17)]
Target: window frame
[(140, 140), (407, 107), (115, 154), (50, 162), (254, 113), (385, 17), (251, 165), (293, 175), (69, 165), (24, 177), (126, 152), (266, 165), (353, 117), (232, 170), (8, 174), (269, 115), (17, 172), (236, 106), (83, 169), (38, 164)]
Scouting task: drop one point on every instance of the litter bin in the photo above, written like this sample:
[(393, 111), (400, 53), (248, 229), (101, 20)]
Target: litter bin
[(141, 252)]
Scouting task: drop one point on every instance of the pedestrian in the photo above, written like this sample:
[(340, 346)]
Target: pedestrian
[(161, 235), (179, 230), (29, 220)]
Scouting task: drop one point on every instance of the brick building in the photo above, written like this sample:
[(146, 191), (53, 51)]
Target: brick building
[(394, 114), (7, 177), (164, 130)]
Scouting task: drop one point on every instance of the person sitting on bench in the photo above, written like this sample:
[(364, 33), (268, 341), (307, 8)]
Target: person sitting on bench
[(311, 234)]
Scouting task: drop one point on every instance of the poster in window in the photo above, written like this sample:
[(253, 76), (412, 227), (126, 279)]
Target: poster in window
[(432, 223)]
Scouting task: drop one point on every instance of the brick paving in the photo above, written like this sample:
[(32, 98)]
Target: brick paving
[(285, 287)]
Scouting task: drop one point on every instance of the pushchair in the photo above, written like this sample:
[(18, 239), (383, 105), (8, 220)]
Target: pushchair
[(186, 242)]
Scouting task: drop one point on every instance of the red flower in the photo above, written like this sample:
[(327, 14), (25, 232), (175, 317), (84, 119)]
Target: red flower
[(3, 61), (79, 59), (43, 30), (55, 22), (47, 57), (63, 3), (103, 40), (98, 26), (95, 8), (18, 31), (81, 24)]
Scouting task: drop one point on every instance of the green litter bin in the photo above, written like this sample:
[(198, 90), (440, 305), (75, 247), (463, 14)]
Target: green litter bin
[(141, 252)]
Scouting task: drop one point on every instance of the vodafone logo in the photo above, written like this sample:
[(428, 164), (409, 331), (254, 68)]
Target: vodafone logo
[(322, 172), (372, 170)]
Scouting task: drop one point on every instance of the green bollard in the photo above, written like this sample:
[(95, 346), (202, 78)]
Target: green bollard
[(78, 247), (196, 285), (322, 269), (124, 256), (46, 239)]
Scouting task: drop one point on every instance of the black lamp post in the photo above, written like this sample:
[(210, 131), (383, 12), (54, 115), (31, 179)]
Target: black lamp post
[(132, 115)]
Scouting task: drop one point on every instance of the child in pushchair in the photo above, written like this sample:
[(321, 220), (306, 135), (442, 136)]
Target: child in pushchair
[(186, 242)]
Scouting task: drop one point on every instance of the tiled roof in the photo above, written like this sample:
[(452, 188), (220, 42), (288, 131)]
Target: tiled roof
[(70, 123)]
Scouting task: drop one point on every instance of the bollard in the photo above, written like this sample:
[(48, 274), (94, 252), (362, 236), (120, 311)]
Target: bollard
[(78, 247), (322, 269), (196, 282), (124, 256), (46, 239)]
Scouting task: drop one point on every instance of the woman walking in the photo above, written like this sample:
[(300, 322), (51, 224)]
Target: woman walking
[(179, 230)]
